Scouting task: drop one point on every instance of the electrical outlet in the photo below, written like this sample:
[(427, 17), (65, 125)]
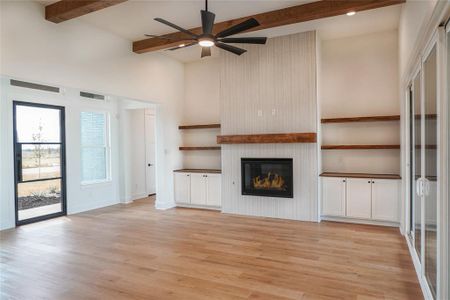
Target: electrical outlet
[(274, 111), (260, 113)]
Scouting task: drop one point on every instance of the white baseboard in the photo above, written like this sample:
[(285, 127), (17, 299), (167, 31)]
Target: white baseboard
[(139, 196), (359, 221), (130, 199), (79, 209), (164, 205), (185, 205)]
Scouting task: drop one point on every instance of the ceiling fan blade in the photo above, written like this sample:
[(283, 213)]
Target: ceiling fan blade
[(181, 47), (207, 21), (206, 51), (243, 26), (230, 48), (176, 27), (245, 40)]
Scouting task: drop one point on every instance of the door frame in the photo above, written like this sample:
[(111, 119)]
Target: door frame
[(63, 163), (153, 115)]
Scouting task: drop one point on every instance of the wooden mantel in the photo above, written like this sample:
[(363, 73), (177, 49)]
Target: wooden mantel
[(269, 138)]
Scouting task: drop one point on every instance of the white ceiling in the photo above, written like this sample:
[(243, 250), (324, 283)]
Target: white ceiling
[(132, 19)]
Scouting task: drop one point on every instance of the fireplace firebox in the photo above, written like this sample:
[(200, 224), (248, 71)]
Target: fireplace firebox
[(271, 177)]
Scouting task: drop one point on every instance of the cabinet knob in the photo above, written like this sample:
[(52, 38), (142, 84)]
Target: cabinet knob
[(368, 181), (373, 181), (343, 180)]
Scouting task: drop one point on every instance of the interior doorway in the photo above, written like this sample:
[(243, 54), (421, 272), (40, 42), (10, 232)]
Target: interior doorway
[(39, 154), (150, 151)]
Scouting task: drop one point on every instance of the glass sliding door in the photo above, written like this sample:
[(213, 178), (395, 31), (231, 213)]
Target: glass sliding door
[(39, 162), (430, 175), (415, 163)]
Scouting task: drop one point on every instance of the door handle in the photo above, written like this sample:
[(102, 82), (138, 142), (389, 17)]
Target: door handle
[(419, 187), (426, 187)]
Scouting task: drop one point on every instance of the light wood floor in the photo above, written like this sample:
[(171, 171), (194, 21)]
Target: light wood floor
[(136, 252)]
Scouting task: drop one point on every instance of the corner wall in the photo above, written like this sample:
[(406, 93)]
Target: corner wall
[(201, 106), (359, 77)]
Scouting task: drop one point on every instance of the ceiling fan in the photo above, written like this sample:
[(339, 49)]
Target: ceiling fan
[(221, 40)]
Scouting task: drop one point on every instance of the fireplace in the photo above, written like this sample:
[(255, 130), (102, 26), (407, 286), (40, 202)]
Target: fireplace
[(270, 177)]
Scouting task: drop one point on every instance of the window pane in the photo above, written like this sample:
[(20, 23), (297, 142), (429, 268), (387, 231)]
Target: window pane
[(40, 161), (93, 164), (93, 129), (431, 166), (39, 198), (37, 124), (416, 150)]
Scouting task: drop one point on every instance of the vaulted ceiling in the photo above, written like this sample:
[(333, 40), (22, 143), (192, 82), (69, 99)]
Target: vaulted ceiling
[(132, 19)]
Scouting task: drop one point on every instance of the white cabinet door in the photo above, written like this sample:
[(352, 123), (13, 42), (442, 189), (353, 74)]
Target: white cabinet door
[(359, 198), (198, 189), (385, 200), (182, 187), (213, 189), (333, 196)]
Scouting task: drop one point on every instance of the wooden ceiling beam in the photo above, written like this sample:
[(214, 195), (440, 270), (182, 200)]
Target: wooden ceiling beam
[(285, 16), (69, 9)]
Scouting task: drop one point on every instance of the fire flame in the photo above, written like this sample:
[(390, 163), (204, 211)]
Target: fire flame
[(271, 181)]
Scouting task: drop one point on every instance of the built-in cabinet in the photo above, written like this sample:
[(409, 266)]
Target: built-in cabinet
[(361, 198), (197, 189), (182, 187)]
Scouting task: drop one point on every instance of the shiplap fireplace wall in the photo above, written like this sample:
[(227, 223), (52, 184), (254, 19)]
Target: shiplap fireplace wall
[(271, 89)]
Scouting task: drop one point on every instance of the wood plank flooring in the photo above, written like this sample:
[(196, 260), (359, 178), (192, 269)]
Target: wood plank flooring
[(136, 252)]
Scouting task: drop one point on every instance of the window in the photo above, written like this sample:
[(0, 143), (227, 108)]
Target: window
[(95, 147)]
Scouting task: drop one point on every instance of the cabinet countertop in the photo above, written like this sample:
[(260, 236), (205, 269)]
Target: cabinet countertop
[(360, 175), (213, 171)]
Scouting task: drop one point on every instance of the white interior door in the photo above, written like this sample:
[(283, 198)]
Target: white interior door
[(150, 157)]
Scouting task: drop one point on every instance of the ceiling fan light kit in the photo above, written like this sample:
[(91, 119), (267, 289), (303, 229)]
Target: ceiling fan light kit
[(221, 40)]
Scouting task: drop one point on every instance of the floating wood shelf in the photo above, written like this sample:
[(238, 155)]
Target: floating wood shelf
[(309, 137), (199, 148), (203, 126), (360, 147), (360, 175), (362, 119)]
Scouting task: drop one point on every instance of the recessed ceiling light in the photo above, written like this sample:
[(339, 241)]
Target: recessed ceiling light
[(351, 13), (181, 45)]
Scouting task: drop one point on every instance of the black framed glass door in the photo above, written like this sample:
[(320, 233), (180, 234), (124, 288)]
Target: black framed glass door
[(39, 155)]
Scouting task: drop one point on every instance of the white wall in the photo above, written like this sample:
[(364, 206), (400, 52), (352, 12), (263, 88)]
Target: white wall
[(359, 77), (265, 92), (79, 197), (201, 106), (74, 54), (414, 18)]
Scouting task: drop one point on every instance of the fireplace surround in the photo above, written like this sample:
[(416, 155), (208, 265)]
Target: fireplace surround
[(270, 177)]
